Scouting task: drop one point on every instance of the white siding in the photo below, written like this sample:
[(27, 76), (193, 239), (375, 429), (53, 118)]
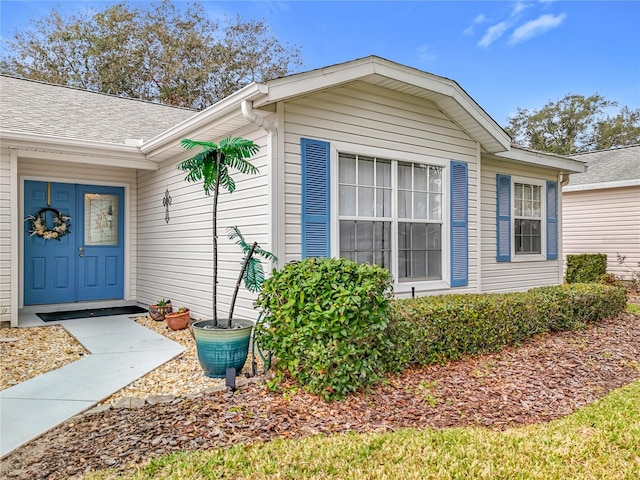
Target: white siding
[(64, 172), (175, 258), (372, 117), (509, 276), (5, 236), (604, 221)]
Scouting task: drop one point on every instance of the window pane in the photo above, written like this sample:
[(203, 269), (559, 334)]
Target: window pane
[(434, 265), (383, 202), (347, 167), (347, 200), (435, 206), (434, 238), (536, 192), (364, 257), (382, 235), (435, 179), (528, 208), (403, 264), (365, 171), (518, 192), (518, 208), (420, 205), (364, 236), (404, 176), (347, 236), (100, 219), (536, 209), (404, 204), (528, 236), (366, 206), (418, 264), (383, 173), (418, 236), (403, 235), (421, 178)]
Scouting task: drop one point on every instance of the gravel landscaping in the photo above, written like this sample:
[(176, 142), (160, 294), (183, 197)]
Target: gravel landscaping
[(548, 377), (28, 352)]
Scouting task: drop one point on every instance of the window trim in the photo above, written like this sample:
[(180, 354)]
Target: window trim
[(394, 156), (529, 257)]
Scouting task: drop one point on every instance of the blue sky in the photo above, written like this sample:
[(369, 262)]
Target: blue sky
[(505, 54)]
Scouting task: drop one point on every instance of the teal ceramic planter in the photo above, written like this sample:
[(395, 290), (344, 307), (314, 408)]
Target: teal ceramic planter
[(222, 348)]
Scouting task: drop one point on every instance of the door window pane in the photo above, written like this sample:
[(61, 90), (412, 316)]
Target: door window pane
[(100, 219)]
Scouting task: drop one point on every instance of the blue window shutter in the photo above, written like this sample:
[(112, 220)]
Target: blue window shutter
[(315, 198), (503, 214), (459, 224), (552, 221)]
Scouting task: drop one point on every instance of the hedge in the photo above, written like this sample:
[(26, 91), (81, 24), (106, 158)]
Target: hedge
[(436, 329), (585, 268)]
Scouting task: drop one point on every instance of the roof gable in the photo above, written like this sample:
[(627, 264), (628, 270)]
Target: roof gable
[(446, 94)]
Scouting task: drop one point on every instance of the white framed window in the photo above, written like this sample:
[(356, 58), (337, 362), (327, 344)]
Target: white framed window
[(527, 218), (391, 213)]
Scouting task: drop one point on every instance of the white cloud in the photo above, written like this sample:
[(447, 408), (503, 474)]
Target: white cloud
[(493, 33), (470, 30), (425, 54), (518, 8), (536, 27)]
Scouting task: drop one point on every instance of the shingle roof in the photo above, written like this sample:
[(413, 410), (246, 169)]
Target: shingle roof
[(608, 166), (41, 108)]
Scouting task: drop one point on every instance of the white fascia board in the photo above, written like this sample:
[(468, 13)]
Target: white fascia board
[(634, 182), (206, 116), (49, 147), (304, 83), (564, 164)]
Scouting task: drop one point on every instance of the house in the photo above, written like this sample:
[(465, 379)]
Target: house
[(367, 159), (601, 211)]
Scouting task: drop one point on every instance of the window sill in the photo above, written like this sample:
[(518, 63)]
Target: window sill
[(405, 287), (528, 258)]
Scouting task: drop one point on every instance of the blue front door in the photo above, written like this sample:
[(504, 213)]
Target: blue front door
[(87, 263)]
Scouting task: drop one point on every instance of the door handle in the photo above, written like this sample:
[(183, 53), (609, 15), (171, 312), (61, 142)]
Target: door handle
[(81, 250)]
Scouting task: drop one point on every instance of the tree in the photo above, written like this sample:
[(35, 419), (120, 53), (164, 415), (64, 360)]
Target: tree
[(575, 124), (152, 51)]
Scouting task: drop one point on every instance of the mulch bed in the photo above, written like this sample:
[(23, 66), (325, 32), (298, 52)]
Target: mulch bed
[(549, 377)]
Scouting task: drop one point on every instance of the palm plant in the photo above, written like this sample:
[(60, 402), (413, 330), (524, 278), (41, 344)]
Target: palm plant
[(213, 164)]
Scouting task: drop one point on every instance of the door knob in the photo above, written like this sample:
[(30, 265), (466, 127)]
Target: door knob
[(81, 255), (81, 249)]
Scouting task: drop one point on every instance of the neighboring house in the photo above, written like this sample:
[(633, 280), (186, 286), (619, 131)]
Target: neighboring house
[(368, 159), (601, 211)]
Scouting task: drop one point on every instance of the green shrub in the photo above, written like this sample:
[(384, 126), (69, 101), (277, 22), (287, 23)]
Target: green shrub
[(436, 329), (585, 268), (327, 321)]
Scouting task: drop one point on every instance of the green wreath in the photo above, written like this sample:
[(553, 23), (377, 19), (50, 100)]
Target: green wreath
[(39, 227)]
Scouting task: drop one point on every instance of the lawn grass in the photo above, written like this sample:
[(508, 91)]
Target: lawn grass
[(633, 308), (600, 441)]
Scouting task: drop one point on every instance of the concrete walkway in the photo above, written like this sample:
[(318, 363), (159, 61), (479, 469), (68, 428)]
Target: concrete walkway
[(121, 352)]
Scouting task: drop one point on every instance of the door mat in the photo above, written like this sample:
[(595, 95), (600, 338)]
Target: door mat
[(92, 312)]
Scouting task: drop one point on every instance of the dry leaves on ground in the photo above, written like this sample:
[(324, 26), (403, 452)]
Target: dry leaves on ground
[(548, 377)]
